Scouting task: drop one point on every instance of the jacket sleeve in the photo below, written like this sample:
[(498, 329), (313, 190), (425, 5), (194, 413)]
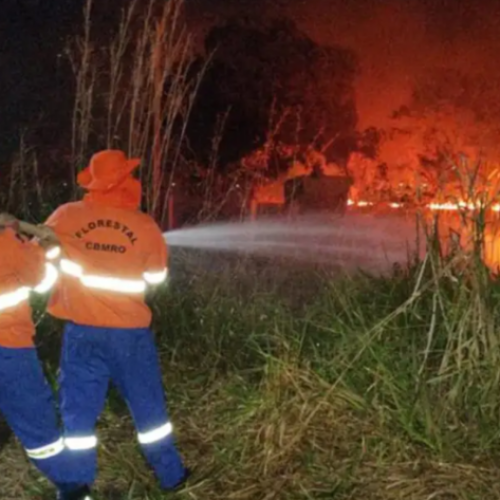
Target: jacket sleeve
[(156, 264)]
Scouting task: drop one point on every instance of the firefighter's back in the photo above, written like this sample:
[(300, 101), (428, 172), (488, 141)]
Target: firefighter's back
[(109, 256)]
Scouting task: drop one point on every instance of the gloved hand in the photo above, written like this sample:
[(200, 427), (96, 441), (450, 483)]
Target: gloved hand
[(8, 220), (46, 237)]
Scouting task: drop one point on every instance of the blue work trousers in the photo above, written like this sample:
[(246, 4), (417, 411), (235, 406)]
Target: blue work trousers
[(91, 358), (28, 406)]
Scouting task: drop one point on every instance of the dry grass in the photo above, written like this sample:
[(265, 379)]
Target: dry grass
[(345, 397), (238, 441)]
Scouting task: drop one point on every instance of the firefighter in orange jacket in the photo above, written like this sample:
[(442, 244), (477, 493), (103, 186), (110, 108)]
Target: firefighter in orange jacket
[(26, 399), (111, 253)]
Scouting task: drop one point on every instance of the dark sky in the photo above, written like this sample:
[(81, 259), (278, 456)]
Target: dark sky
[(396, 41), (32, 33)]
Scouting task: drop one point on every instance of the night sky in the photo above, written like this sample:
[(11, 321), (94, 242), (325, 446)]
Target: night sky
[(32, 34), (395, 40)]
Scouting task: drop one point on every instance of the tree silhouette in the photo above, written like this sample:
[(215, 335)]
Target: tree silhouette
[(261, 71)]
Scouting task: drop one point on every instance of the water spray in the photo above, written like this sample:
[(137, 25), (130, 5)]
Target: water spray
[(353, 241)]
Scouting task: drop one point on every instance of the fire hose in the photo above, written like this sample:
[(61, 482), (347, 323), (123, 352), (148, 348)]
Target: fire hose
[(43, 233), (38, 231)]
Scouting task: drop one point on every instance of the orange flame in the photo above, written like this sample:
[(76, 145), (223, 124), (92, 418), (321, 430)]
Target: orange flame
[(448, 206)]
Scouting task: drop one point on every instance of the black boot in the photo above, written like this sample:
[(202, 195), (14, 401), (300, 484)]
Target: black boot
[(82, 493), (181, 483)]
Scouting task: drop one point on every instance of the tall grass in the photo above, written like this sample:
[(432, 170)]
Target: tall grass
[(285, 382), (134, 87), (288, 382), (26, 189), (135, 91)]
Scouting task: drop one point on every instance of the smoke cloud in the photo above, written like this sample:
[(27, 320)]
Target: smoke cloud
[(396, 41)]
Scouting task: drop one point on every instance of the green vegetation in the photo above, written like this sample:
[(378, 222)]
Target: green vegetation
[(299, 385)]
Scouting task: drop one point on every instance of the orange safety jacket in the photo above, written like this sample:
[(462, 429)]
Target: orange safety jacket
[(22, 270), (109, 256)]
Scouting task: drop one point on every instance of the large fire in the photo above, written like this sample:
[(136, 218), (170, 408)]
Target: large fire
[(457, 216), (448, 206)]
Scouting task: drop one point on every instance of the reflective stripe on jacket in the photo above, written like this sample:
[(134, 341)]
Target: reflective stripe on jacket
[(110, 256), (23, 269)]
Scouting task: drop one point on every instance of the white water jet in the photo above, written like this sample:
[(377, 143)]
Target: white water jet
[(372, 243)]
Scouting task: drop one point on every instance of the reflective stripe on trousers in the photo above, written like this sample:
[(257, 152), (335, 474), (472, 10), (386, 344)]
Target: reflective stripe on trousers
[(155, 435), (49, 451), (90, 442), (91, 358), (81, 443)]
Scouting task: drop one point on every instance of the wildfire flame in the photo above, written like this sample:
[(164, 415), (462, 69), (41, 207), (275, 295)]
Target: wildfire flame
[(461, 205)]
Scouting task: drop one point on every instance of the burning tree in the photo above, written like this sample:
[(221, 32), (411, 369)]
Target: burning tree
[(448, 115)]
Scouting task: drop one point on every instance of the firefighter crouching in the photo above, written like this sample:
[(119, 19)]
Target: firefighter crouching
[(26, 399), (111, 253)]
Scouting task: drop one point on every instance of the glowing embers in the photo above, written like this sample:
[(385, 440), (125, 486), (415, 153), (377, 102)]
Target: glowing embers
[(447, 206), (461, 205)]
